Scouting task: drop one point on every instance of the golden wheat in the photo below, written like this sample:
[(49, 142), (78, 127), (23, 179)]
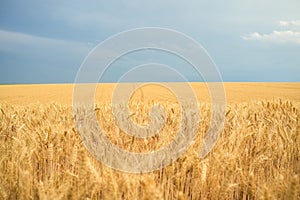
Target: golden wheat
[(257, 155)]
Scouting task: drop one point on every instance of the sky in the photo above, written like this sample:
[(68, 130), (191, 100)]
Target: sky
[(249, 40)]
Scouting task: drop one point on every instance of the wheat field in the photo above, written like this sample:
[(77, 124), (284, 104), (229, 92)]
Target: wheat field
[(256, 157)]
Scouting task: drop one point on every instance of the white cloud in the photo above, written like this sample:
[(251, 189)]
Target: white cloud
[(290, 23), (278, 36), (16, 42)]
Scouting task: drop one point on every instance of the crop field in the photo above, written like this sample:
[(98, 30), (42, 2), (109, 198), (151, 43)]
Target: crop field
[(257, 155)]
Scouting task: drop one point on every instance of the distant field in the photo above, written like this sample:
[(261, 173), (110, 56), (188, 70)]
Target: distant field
[(62, 93), (257, 155)]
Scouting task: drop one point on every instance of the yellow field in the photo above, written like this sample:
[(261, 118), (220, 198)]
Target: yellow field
[(257, 155), (62, 93)]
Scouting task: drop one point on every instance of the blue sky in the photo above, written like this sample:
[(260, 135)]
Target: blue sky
[(46, 41)]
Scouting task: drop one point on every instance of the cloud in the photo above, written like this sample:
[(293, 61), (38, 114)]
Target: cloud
[(278, 36), (290, 23), (16, 42), (26, 58)]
